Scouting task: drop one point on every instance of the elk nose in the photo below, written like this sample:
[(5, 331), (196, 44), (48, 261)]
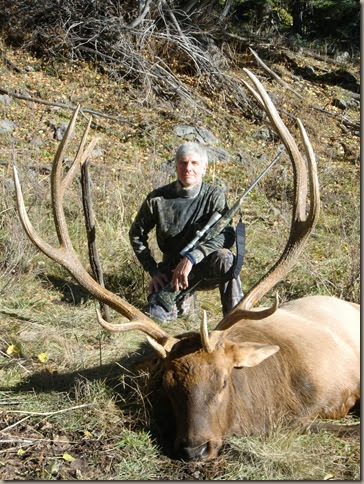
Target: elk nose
[(195, 452)]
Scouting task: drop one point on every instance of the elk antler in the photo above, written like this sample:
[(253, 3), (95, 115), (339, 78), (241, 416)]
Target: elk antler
[(65, 254), (302, 224)]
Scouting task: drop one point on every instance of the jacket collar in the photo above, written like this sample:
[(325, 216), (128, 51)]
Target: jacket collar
[(187, 192)]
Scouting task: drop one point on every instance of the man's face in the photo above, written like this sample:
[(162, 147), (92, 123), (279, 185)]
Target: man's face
[(190, 170)]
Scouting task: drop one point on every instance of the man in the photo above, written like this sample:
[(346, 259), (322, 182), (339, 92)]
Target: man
[(178, 211)]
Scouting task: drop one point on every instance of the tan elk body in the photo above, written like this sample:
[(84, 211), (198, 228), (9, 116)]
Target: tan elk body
[(258, 367), (246, 385)]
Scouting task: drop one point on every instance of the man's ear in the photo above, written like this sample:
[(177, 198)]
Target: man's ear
[(251, 354)]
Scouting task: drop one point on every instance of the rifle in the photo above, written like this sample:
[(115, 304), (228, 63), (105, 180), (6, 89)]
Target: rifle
[(168, 296)]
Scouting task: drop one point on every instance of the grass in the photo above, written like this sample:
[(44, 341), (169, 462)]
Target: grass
[(107, 424)]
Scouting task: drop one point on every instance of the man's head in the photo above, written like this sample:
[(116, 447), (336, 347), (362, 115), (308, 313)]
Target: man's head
[(191, 164)]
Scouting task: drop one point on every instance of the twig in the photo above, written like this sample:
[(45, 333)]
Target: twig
[(20, 441), (273, 74), (50, 414), (141, 17), (30, 440), (83, 111), (346, 122), (321, 57), (16, 423), (66, 106)]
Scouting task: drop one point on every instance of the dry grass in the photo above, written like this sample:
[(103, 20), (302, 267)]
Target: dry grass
[(42, 310)]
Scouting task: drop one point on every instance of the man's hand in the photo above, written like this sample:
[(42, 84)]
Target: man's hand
[(158, 282), (180, 274)]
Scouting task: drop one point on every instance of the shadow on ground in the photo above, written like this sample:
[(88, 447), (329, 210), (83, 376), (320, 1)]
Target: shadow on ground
[(135, 374)]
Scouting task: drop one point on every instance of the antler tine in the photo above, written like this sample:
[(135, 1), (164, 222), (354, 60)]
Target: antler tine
[(59, 185), (153, 330), (312, 178), (204, 333), (299, 167), (302, 224), (251, 315), (81, 157), (65, 254), (254, 94)]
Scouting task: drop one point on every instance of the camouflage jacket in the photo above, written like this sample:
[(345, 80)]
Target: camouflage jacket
[(177, 213)]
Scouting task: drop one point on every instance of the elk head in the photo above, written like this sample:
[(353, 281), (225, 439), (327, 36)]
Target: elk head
[(198, 367)]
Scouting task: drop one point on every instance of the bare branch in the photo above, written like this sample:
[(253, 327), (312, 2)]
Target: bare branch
[(273, 74)]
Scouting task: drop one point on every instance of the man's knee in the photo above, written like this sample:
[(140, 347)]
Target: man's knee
[(222, 260)]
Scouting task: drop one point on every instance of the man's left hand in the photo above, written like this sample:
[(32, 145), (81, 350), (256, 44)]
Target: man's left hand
[(181, 273)]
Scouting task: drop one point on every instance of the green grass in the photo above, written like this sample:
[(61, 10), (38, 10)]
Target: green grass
[(107, 423)]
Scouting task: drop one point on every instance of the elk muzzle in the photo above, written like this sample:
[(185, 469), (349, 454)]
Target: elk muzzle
[(197, 451)]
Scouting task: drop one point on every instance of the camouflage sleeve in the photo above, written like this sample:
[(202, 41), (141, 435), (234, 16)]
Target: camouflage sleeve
[(225, 239), (138, 235)]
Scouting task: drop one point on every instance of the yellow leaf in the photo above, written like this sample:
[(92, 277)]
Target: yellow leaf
[(21, 452), (68, 457), (13, 350), (43, 357)]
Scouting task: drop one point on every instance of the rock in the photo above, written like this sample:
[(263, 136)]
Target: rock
[(60, 131), (6, 126), (263, 133), (205, 137), (36, 141), (29, 335), (22, 92), (97, 152), (168, 167), (339, 103), (5, 99), (343, 57), (217, 154), (342, 103), (195, 133)]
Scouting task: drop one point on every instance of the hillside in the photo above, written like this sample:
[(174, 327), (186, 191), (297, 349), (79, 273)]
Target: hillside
[(54, 357)]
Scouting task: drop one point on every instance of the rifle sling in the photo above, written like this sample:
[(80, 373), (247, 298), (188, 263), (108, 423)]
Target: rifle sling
[(240, 249)]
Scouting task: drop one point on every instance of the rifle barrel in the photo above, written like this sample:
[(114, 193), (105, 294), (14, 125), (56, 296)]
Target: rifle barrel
[(217, 222), (259, 177), (216, 229)]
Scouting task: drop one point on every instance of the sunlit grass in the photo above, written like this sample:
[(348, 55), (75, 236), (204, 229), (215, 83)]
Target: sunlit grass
[(85, 391)]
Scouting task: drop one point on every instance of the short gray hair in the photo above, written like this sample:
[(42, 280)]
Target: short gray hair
[(191, 148)]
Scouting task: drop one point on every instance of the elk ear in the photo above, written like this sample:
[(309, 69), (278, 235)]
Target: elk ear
[(251, 354)]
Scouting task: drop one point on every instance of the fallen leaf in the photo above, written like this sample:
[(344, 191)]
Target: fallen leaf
[(13, 350), (43, 357), (68, 457)]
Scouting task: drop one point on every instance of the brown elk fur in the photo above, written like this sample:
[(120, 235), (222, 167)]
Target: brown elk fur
[(314, 374)]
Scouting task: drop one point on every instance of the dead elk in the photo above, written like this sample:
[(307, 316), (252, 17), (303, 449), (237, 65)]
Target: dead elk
[(258, 366)]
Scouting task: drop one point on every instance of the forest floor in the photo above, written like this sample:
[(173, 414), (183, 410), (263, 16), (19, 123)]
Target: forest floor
[(70, 406)]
